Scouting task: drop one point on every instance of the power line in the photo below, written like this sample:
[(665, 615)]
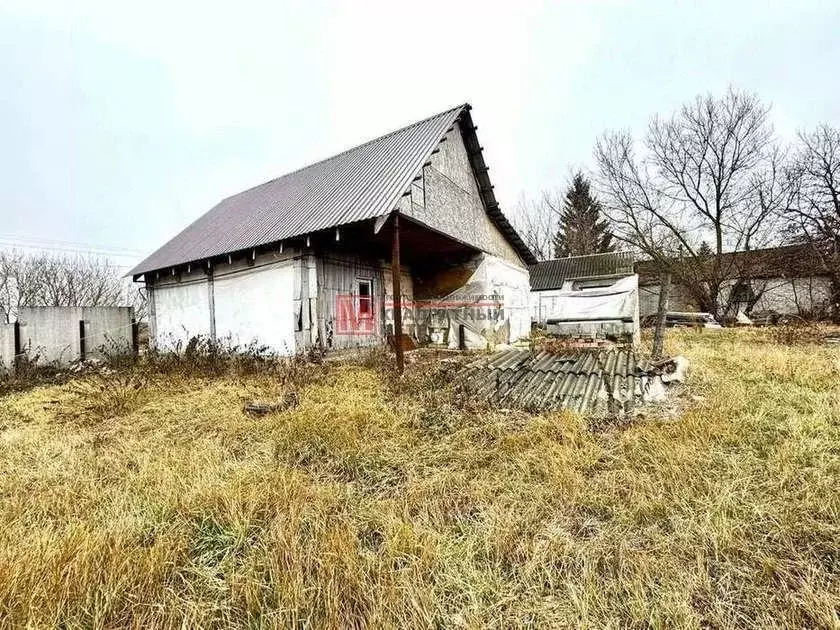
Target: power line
[(70, 250), (61, 245), (42, 239)]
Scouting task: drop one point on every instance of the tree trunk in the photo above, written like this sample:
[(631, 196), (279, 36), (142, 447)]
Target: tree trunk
[(661, 312), (834, 306)]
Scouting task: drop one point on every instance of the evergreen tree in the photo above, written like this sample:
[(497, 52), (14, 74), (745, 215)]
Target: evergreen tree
[(581, 229)]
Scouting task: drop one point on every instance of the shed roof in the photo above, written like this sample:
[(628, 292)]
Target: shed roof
[(797, 260), (550, 274), (361, 183)]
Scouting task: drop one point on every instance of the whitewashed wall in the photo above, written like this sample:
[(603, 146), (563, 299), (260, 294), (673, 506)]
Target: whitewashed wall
[(256, 305), (795, 296), (239, 302), (7, 346), (181, 311), (53, 334), (787, 296)]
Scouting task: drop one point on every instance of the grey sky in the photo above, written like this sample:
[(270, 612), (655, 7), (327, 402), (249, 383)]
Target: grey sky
[(121, 123)]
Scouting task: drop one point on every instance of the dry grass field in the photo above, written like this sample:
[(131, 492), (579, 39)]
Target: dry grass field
[(154, 501)]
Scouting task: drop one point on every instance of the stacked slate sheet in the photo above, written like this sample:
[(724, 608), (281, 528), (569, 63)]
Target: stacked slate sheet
[(577, 380)]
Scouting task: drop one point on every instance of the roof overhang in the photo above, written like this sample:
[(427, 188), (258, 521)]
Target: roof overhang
[(485, 188)]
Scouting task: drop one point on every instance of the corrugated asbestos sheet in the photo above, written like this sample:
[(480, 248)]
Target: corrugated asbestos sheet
[(551, 274), (577, 381), (361, 183)]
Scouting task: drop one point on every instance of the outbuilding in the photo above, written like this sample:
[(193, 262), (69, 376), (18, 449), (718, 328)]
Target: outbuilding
[(787, 280), (316, 257), (595, 294)]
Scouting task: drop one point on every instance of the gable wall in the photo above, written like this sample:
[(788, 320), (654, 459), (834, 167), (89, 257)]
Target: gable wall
[(446, 198)]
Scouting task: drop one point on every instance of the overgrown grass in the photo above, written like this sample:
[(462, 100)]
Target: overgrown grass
[(376, 503)]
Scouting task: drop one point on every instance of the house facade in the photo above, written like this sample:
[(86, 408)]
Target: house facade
[(308, 259)]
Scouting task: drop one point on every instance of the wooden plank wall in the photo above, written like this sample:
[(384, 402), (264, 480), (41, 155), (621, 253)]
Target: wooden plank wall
[(338, 275)]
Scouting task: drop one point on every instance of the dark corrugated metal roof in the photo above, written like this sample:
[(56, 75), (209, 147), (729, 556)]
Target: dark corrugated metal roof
[(576, 380), (551, 274), (362, 183), (785, 261)]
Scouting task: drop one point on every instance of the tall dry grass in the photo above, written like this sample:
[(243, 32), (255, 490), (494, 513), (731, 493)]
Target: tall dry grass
[(366, 506)]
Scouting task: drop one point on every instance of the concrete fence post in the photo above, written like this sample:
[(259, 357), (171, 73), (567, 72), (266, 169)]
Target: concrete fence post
[(82, 348)]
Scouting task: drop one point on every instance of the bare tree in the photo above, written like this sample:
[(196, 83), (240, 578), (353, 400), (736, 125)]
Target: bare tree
[(709, 181), (536, 222), (814, 210), (43, 279)]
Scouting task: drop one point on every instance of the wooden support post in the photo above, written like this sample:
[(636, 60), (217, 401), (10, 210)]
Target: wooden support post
[(395, 277), (135, 336)]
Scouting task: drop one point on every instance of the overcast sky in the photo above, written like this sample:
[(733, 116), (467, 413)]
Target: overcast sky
[(120, 123)]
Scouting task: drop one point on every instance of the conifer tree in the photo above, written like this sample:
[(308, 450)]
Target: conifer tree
[(581, 229)]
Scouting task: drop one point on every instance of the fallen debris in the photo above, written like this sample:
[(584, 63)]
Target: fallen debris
[(741, 319), (584, 381), (675, 319), (258, 408)]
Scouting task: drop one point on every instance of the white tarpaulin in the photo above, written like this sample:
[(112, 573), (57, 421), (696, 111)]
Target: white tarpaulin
[(492, 306), (611, 310), (618, 301)]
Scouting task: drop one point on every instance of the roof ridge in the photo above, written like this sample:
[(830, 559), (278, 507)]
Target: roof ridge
[(351, 149), (587, 255)]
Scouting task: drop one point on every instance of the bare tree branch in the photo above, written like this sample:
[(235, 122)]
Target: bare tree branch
[(536, 222), (813, 211), (709, 181), (43, 279)]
